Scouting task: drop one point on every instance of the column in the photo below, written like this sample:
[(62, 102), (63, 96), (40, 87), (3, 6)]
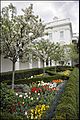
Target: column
[(44, 63), (49, 61), (30, 61), (52, 62), (17, 65), (30, 64)]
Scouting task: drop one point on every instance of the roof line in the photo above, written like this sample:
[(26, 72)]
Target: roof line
[(57, 20)]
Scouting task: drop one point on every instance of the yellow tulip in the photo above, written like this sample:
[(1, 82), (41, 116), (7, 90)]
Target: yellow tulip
[(39, 111), (32, 110), (39, 115), (35, 111), (32, 117), (36, 117)]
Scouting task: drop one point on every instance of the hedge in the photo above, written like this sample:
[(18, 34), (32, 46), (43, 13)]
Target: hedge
[(9, 116), (68, 107), (21, 74), (45, 79)]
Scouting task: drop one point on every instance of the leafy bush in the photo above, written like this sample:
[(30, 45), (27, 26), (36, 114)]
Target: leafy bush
[(51, 73), (30, 80), (67, 107), (9, 116), (7, 97), (63, 68), (21, 74)]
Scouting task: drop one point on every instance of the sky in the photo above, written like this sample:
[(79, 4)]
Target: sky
[(47, 10)]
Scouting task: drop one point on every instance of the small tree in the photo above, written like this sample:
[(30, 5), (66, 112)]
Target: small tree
[(71, 53), (42, 49), (57, 53), (17, 32), (65, 53)]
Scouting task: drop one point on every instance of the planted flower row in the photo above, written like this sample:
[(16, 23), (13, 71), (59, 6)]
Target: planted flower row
[(37, 99)]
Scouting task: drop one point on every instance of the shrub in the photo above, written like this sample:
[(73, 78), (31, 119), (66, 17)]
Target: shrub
[(67, 107), (7, 97), (50, 72), (66, 111), (30, 80), (21, 74), (9, 116)]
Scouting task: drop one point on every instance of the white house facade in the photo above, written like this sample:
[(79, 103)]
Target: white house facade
[(59, 31)]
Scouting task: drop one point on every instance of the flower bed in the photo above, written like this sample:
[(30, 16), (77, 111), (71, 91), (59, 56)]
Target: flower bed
[(35, 102)]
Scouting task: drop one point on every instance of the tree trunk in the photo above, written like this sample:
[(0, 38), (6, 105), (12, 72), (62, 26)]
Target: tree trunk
[(55, 66), (72, 62), (43, 68), (13, 73)]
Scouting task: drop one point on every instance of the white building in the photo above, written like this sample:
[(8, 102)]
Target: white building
[(59, 31)]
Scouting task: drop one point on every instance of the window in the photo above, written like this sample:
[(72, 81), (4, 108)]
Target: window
[(50, 36), (61, 34), (74, 41)]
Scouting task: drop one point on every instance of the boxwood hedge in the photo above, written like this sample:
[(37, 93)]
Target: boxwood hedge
[(68, 107), (22, 74), (30, 80)]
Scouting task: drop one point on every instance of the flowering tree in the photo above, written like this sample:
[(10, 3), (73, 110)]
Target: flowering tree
[(17, 32), (43, 50), (73, 53), (57, 54)]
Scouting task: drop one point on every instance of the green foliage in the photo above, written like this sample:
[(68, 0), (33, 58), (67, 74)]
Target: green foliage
[(9, 116), (57, 53), (7, 97), (22, 74), (18, 32), (30, 80), (51, 73), (73, 52), (67, 107), (43, 49)]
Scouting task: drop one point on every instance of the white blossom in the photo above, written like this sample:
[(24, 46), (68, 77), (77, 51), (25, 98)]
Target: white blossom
[(20, 95), (37, 98), (16, 94), (25, 112), (39, 84), (32, 98), (38, 93), (29, 97), (24, 97), (31, 76), (25, 93), (35, 91), (29, 93)]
